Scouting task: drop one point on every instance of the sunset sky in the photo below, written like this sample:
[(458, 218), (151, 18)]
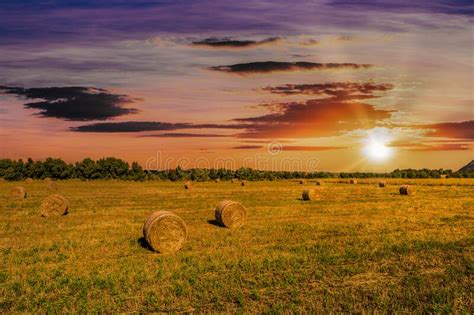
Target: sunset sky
[(336, 85)]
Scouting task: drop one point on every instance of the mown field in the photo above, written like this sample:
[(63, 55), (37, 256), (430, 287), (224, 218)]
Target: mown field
[(359, 248)]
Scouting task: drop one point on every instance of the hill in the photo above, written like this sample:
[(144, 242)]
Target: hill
[(469, 167)]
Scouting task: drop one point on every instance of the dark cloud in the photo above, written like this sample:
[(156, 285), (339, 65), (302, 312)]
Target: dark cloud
[(314, 118), (233, 43), (139, 126), (273, 66), (74, 103), (455, 130), (185, 135), (337, 89), (341, 111)]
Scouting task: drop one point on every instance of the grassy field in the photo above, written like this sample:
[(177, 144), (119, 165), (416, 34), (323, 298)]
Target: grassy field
[(358, 248)]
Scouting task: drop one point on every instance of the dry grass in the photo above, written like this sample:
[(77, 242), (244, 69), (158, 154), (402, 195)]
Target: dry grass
[(359, 248)]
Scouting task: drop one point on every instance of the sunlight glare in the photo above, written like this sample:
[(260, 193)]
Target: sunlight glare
[(376, 148)]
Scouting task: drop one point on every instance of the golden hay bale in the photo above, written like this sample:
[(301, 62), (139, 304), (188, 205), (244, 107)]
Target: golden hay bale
[(29, 180), (407, 190), (54, 205), (165, 232), (301, 182), (382, 183), (230, 214), (51, 185), (353, 181), (18, 192), (310, 194), (187, 185)]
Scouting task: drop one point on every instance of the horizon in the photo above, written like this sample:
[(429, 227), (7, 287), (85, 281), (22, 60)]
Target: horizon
[(336, 86)]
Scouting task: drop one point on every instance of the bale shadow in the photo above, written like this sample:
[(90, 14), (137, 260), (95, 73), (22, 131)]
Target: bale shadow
[(214, 222), (143, 243)]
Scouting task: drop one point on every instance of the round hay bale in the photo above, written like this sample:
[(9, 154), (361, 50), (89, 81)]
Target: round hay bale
[(165, 232), (230, 214), (407, 190), (29, 180), (301, 182), (353, 181), (54, 205), (310, 194), (51, 185), (187, 185), (382, 183), (18, 192)]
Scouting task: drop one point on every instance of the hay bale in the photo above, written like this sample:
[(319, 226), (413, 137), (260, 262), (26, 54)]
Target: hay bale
[(407, 190), (382, 183), (47, 179), (29, 180), (353, 181), (230, 214), (187, 185), (310, 194), (165, 232), (54, 205), (51, 185), (18, 192)]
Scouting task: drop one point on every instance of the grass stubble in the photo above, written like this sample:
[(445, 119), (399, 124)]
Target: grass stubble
[(357, 248)]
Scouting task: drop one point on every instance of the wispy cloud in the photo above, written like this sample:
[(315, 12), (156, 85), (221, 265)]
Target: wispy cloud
[(139, 126), (228, 42), (422, 146), (456, 130), (336, 89), (185, 135)]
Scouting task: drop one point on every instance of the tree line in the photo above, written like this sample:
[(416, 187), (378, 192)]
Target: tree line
[(114, 168)]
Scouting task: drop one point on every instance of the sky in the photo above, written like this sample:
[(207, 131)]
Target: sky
[(333, 85)]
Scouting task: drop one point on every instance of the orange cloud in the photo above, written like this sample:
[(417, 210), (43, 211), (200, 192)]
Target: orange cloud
[(455, 130), (412, 146)]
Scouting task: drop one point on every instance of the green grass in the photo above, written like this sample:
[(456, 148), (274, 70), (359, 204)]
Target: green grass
[(359, 248)]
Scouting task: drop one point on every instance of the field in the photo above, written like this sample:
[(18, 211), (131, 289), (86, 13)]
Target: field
[(359, 248)]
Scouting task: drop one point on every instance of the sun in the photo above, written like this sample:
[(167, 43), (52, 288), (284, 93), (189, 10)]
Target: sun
[(375, 145)]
